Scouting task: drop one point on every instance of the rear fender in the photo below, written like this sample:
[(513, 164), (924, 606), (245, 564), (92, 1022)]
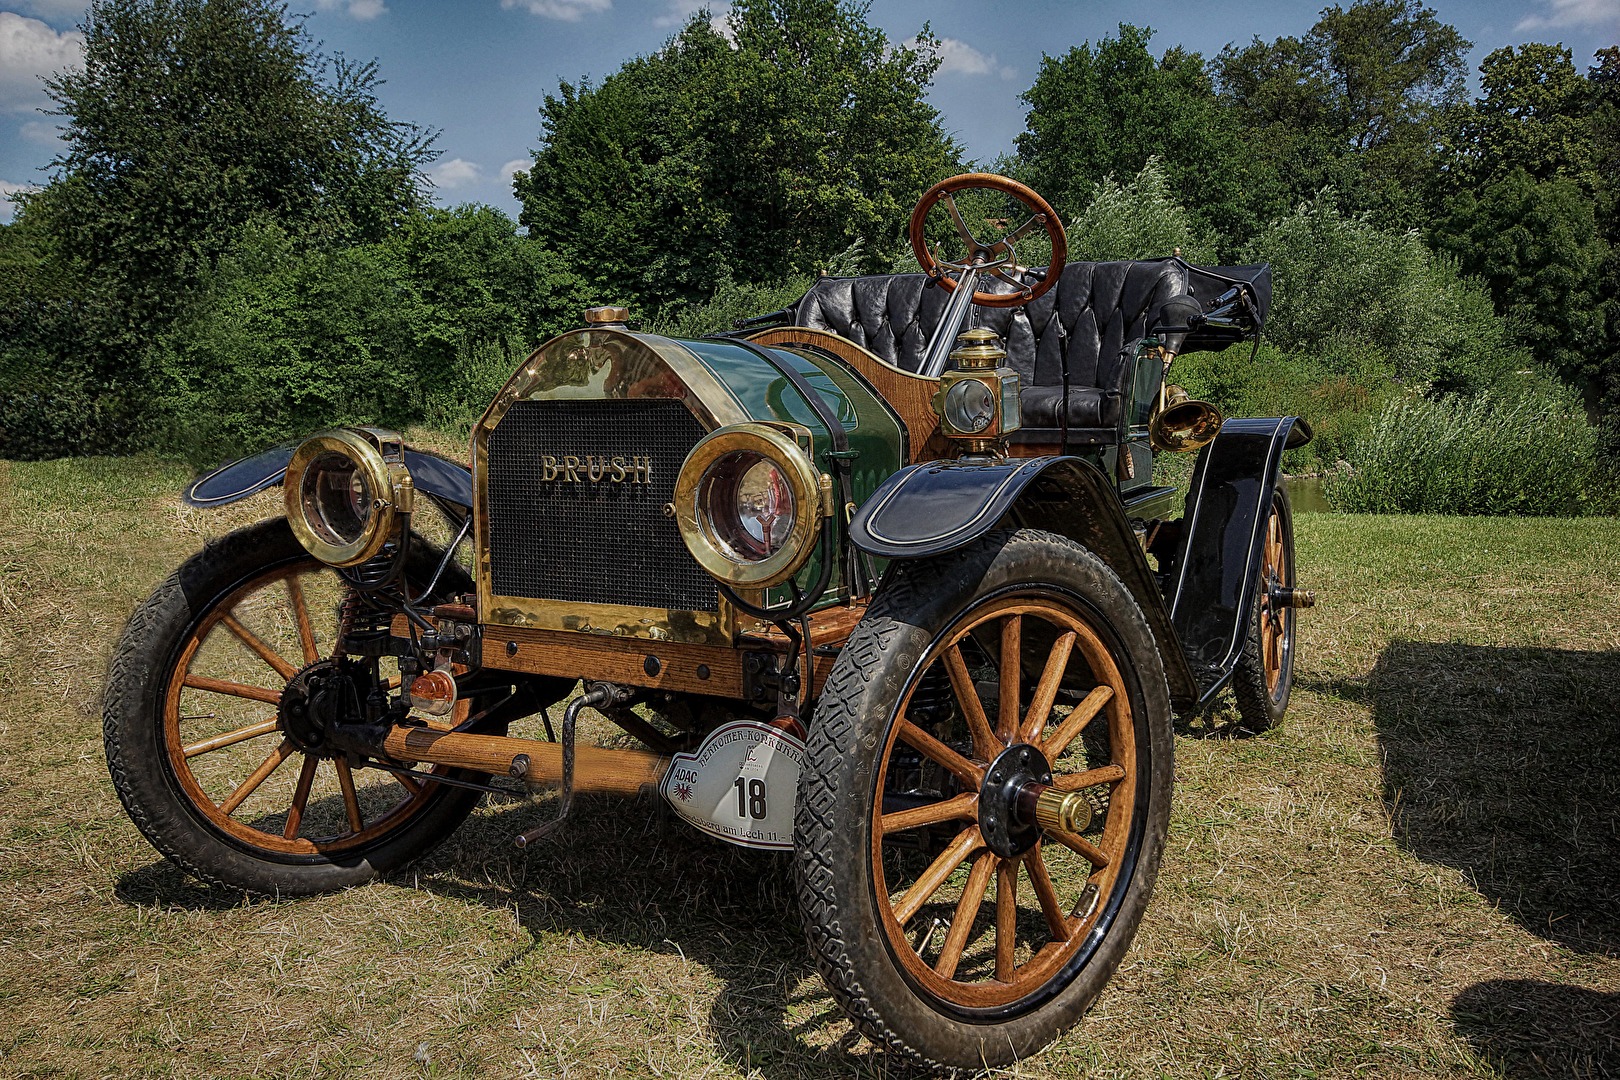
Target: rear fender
[(939, 506), (447, 482), (1216, 572)]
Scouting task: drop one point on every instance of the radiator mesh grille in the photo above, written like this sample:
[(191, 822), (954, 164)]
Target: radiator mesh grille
[(592, 542)]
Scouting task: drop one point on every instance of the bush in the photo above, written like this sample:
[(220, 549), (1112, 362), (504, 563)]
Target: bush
[(284, 341), (1530, 453), (1275, 383), (1345, 288), (1138, 220)]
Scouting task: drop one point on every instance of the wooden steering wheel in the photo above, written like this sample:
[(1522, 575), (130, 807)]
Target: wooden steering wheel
[(995, 258)]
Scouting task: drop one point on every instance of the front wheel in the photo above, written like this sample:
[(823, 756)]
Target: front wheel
[(202, 754), (956, 918)]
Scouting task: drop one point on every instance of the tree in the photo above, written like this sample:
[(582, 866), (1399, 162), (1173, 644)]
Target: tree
[(1536, 245), (189, 120), (1141, 219), (1532, 117), (1103, 110), (1353, 103), (763, 152), (1604, 80)]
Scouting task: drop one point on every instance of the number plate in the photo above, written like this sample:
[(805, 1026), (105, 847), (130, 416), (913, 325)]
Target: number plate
[(739, 784)]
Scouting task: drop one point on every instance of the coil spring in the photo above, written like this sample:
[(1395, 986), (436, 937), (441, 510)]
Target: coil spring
[(361, 622), (377, 571)]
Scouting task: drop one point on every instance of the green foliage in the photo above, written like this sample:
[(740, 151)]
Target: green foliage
[(424, 324), (1351, 104), (1536, 245), (1141, 219), (1275, 382), (1375, 303), (1532, 117), (732, 300), (189, 120), (1531, 453), (763, 156), (1104, 110)]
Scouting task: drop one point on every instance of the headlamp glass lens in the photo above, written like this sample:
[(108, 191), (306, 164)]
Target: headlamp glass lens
[(747, 506), (969, 406), (336, 498)]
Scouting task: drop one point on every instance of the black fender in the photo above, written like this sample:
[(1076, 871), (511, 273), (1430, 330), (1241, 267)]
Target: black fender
[(446, 481), (1213, 579), (938, 506)]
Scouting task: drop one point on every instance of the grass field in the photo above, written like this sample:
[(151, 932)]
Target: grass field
[(1417, 875)]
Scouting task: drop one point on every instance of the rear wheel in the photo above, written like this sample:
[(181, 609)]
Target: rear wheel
[(1264, 679), (950, 919), (203, 755)]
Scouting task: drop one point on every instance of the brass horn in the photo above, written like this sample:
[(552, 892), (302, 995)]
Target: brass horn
[(1182, 423)]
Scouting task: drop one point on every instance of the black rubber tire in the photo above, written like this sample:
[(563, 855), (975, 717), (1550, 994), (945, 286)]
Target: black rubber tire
[(144, 777), (1260, 709), (832, 825)]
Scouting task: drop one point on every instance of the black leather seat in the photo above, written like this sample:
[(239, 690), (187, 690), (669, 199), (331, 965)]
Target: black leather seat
[(1092, 312)]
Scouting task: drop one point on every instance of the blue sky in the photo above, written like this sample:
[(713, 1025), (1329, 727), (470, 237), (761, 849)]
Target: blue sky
[(478, 69)]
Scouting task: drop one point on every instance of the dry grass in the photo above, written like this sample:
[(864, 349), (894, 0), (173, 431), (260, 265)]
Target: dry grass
[(1418, 875)]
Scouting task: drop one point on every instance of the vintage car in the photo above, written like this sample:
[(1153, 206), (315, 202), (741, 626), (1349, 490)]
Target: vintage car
[(882, 580)]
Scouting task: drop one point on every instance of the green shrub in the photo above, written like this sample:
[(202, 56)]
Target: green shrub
[(426, 324), (1275, 383), (1141, 219), (1528, 453), (1345, 288)]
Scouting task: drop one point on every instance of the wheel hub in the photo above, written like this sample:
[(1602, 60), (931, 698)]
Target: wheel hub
[(315, 700), (1007, 829)]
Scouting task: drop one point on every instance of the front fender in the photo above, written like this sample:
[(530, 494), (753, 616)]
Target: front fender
[(939, 506), (1216, 572), (446, 481)]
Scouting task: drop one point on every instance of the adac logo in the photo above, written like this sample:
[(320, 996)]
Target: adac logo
[(595, 469)]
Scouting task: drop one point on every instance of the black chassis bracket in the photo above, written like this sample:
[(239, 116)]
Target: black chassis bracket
[(938, 506), (447, 482), (1213, 578)]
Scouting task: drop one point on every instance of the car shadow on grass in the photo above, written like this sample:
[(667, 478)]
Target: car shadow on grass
[(625, 872), (1539, 1029), (1504, 763)]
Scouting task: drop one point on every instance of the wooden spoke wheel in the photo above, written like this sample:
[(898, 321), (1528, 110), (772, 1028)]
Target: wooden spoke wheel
[(215, 769), (1002, 715), (1264, 679), (1010, 694)]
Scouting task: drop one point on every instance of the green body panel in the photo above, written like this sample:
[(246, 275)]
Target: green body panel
[(876, 435)]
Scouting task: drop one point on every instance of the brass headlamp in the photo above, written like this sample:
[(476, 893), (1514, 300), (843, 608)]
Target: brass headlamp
[(348, 494), (750, 504), (978, 398)]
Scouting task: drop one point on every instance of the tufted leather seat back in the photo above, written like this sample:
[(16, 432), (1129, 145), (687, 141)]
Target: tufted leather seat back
[(1093, 309)]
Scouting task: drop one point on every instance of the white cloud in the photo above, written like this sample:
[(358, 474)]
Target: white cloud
[(516, 165), (40, 131), (29, 49), (960, 58), (7, 190), (566, 10), (362, 10), (1567, 13), (455, 173)]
